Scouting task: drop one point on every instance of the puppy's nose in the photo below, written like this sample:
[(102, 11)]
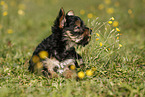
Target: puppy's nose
[(90, 30)]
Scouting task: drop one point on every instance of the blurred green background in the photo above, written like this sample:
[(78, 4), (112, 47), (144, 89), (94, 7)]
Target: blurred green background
[(34, 17)]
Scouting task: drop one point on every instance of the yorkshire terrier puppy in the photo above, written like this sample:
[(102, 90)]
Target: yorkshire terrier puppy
[(56, 53)]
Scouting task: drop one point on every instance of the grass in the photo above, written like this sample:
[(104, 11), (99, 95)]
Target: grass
[(119, 71)]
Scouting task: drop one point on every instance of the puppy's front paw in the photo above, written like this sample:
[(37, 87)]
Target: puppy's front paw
[(80, 63), (50, 74), (69, 74)]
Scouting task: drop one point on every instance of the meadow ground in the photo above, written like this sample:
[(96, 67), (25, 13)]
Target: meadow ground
[(115, 55)]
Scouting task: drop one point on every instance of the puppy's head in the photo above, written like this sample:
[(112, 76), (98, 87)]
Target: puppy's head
[(72, 28)]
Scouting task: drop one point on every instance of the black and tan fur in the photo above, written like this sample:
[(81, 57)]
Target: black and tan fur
[(68, 31)]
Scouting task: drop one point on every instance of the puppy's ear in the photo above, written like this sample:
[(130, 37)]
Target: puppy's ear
[(61, 19), (70, 13)]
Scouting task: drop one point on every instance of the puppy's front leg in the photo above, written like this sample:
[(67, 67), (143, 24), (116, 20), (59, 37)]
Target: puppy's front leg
[(72, 54), (79, 61)]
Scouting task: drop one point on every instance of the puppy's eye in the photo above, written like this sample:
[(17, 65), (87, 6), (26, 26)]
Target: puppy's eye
[(77, 27)]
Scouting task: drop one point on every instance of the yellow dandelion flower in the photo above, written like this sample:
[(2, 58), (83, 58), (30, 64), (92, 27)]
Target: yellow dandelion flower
[(10, 31), (89, 72), (115, 23), (39, 65), (110, 10), (117, 4), (98, 34), (72, 67), (106, 50), (2, 3), (82, 12), (35, 59), (81, 74), (97, 39), (21, 12), (117, 37), (90, 15), (110, 22), (120, 45), (117, 29), (112, 18), (107, 1), (5, 13), (43, 54), (1, 26), (101, 43), (101, 6), (129, 11)]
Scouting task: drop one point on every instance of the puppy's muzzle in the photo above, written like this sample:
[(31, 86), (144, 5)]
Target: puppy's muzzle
[(87, 36)]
